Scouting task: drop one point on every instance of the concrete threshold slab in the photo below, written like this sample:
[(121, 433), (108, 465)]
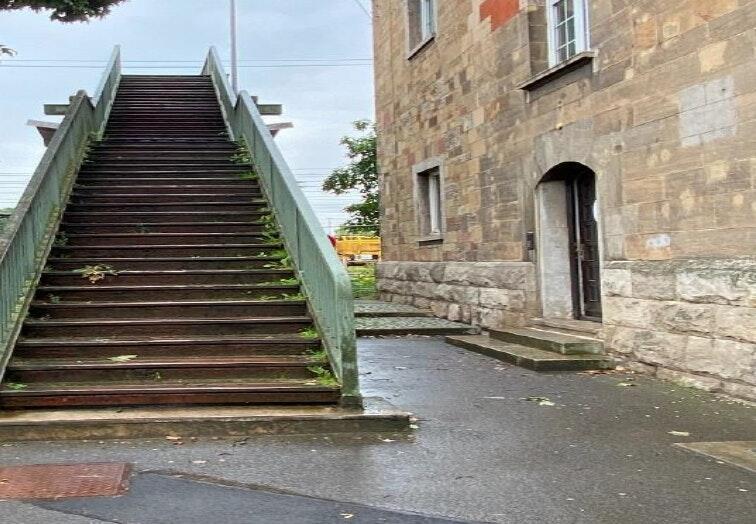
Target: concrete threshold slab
[(528, 357), (377, 415), (737, 453)]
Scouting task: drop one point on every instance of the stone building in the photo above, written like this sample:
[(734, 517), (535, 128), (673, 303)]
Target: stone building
[(590, 160)]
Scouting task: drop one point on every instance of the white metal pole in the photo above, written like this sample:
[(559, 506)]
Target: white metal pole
[(234, 69)]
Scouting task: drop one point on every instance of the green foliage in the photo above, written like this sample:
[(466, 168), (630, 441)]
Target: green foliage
[(53, 299), (289, 281), (266, 298), (318, 355), (363, 281), (61, 239), (293, 296), (284, 263), (122, 358), (243, 154), (64, 10), (360, 175), (248, 175), (309, 333), (323, 376), (96, 273), (270, 234), (15, 386)]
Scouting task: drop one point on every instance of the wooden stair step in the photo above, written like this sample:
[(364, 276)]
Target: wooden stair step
[(165, 326), (184, 171), (149, 180), (163, 263), (156, 197), (168, 392), (140, 207), (107, 292), (173, 309), (167, 346), (112, 369), (151, 217), (199, 250), (163, 227), (157, 238), (132, 277), (150, 188)]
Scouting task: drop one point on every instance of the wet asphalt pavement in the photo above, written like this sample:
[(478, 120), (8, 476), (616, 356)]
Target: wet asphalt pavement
[(494, 443)]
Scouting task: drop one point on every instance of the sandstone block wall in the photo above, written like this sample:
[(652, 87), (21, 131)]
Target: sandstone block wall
[(692, 320), (487, 294), (664, 114)]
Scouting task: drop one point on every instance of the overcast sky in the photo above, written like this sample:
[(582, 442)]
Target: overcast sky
[(321, 100)]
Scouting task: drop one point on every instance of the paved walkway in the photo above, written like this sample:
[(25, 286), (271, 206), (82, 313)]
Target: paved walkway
[(378, 318), (494, 443)]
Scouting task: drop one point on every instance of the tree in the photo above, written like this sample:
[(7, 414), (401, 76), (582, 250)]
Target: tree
[(360, 175), (64, 10)]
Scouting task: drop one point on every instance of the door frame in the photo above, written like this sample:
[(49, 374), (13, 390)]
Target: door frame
[(558, 271)]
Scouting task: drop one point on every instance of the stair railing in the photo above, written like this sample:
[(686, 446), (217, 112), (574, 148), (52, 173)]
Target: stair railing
[(323, 277), (28, 236)]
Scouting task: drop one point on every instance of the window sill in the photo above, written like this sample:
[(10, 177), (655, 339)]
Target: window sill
[(430, 240), (422, 45), (557, 71)]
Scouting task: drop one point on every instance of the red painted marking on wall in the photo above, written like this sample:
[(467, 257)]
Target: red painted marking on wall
[(500, 11)]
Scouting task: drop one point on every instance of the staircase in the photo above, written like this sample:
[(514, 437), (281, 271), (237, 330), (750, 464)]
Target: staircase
[(547, 345), (165, 284)]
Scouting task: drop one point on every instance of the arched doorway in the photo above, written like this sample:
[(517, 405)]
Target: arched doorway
[(568, 243)]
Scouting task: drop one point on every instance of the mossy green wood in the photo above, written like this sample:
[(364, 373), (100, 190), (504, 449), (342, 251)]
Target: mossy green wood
[(323, 277), (26, 240)]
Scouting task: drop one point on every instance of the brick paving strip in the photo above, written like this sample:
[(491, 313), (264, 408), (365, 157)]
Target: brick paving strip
[(56, 481)]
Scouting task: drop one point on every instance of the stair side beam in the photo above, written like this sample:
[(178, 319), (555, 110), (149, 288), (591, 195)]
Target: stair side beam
[(28, 236), (323, 277), (105, 94)]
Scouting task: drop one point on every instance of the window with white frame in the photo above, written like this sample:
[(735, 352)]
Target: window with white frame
[(568, 29), (421, 15), (429, 203)]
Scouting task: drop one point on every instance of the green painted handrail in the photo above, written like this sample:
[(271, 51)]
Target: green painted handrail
[(324, 279), (28, 236)]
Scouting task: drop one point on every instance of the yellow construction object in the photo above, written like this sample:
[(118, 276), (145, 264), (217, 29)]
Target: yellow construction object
[(358, 247)]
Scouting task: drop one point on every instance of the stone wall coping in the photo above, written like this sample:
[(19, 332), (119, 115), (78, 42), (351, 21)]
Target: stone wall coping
[(509, 263)]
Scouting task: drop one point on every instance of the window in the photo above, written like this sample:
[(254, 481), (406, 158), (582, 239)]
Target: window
[(429, 203), (568, 29), (421, 15)]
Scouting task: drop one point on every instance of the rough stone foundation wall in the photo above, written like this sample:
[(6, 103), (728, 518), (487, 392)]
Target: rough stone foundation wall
[(486, 294), (692, 321)]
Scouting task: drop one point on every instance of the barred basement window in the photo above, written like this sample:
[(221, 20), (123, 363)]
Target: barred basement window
[(429, 202), (421, 16), (568, 29)]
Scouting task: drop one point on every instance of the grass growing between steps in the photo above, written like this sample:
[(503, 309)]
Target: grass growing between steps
[(309, 333), (243, 155), (323, 376), (96, 273), (363, 281)]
